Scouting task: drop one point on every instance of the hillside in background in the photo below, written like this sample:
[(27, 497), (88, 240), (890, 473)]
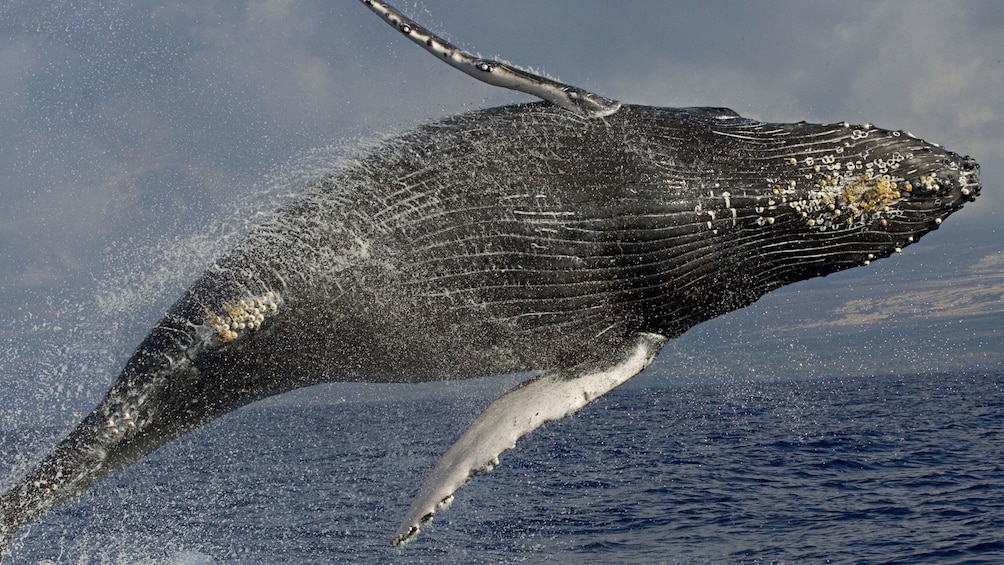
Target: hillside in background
[(913, 316)]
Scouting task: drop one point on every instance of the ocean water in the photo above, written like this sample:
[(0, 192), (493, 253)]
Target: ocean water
[(892, 469)]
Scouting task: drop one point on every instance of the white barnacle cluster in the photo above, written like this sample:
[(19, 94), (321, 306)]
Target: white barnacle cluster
[(245, 314), (766, 211), (120, 424), (844, 192), (46, 488), (728, 214), (51, 485)]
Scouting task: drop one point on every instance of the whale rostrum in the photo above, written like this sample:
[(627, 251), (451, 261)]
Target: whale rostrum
[(566, 238)]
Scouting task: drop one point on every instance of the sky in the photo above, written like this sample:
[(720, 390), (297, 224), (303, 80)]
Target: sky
[(138, 137)]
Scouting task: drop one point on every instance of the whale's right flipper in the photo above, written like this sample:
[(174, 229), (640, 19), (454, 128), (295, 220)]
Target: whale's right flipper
[(552, 396), (497, 73)]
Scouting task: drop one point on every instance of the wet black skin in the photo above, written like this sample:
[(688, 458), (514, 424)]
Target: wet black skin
[(511, 239)]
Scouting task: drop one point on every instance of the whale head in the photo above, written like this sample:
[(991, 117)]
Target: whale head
[(884, 190), (761, 205), (836, 196), (928, 185), (887, 187)]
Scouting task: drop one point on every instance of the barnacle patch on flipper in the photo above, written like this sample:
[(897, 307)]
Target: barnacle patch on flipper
[(245, 314), (120, 424)]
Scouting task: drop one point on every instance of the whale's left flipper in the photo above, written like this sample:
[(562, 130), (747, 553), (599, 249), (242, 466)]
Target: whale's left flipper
[(497, 73), (552, 396)]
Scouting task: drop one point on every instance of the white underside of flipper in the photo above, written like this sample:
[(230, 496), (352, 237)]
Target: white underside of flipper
[(551, 396)]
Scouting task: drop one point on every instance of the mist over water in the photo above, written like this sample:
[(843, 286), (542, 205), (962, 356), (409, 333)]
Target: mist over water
[(61, 352), (871, 469)]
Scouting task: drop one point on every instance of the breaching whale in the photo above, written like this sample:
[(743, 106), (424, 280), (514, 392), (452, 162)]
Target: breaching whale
[(571, 237)]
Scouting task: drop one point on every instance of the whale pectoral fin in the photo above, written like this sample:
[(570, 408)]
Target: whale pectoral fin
[(497, 73), (551, 396)]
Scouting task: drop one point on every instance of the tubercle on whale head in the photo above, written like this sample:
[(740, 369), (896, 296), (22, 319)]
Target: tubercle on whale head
[(801, 200)]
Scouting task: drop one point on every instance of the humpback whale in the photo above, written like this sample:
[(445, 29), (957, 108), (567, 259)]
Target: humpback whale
[(569, 237)]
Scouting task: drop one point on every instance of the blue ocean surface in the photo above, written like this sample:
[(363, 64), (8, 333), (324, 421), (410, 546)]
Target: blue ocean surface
[(892, 469)]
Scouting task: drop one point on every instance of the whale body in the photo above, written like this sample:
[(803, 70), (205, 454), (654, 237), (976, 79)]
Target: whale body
[(523, 238)]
